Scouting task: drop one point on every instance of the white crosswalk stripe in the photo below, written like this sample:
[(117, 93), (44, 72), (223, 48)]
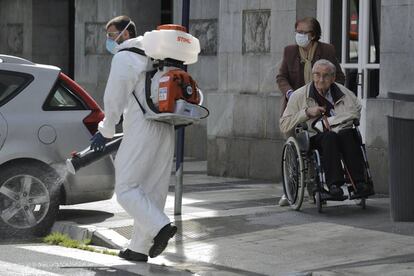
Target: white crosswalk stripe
[(11, 269), (158, 266), (82, 255)]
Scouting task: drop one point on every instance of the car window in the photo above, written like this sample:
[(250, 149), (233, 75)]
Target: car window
[(62, 98), (11, 83)]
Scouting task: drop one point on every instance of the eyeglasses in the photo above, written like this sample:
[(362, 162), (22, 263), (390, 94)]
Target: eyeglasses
[(303, 32), (112, 34), (319, 76), (116, 35)]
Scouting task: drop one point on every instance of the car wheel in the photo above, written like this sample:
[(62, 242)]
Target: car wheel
[(29, 198)]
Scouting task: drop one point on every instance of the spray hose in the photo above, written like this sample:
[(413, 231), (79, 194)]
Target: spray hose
[(88, 156)]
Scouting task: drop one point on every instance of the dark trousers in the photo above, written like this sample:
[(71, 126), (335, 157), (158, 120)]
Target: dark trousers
[(332, 146)]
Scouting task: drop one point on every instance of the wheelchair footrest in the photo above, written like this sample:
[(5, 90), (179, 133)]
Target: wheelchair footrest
[(327, 196), (357, 196)]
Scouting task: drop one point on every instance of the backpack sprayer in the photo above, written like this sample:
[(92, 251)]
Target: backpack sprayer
[(171, 94)]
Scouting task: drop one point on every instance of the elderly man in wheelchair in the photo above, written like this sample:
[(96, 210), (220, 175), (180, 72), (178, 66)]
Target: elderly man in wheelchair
[(325, 149)]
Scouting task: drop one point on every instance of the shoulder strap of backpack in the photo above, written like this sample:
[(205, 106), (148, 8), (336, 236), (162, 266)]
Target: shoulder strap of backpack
[(148, 77), (134, 50), (142, 53), (140, 105)]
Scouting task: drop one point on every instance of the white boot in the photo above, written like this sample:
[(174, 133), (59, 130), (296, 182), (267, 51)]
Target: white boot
[(283, 201)]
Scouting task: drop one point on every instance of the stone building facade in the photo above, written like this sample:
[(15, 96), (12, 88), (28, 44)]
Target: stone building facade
[(242, 43), (36, 30)]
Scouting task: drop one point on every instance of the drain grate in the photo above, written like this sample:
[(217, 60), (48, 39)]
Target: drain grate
[(187, 230), (228, 205), (205, 187), (207, 228), (125, 231)]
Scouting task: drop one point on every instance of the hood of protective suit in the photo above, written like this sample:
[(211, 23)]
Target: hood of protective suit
[(135, 42)]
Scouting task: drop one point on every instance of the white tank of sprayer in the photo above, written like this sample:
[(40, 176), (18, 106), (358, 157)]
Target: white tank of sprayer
[(171, 41)]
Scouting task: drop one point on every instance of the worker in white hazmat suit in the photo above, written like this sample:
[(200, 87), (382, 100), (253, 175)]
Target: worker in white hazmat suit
[(144, 159)]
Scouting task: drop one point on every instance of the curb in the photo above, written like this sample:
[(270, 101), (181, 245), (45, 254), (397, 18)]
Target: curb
[(99, 236), (109, 238)]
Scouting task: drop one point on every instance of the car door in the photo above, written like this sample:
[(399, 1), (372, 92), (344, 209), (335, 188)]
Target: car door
[(75, 119), (3, 130), (68, 113)]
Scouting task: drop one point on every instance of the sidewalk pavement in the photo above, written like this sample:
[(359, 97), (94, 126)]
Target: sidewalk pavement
[(234, 226)]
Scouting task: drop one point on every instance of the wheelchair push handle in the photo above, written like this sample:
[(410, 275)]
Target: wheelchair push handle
[(313, 125), (304, 127), (355, 122)]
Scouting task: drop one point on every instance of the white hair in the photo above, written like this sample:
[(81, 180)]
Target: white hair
[(327, 63)]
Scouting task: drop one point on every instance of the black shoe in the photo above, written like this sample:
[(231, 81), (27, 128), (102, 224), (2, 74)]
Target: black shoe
[(161, 240), (335, 191), (363, 189), (130, 255)]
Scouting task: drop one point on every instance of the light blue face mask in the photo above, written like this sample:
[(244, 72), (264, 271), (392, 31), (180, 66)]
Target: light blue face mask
[(111, 43)]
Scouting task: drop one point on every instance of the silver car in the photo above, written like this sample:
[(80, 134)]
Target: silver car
[(44, 116)]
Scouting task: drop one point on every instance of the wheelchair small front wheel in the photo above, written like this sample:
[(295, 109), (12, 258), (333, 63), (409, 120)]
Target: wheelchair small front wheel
[(361, 202), (293, 175)]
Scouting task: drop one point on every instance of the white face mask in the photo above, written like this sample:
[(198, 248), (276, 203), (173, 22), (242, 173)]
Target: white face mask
[(302, 40)]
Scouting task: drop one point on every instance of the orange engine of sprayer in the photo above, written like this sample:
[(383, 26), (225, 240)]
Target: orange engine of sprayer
[(174, 85)]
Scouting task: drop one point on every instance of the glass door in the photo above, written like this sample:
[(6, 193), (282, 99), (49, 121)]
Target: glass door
[(353, 27)]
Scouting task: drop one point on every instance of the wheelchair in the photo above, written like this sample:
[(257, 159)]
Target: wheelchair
[(302, 168)]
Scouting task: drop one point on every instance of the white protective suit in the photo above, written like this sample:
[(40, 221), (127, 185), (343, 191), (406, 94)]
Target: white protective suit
[(144, 159)]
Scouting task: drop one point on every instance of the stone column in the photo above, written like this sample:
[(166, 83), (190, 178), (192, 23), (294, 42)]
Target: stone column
[(203, 25), (396, 73), (397, 46)]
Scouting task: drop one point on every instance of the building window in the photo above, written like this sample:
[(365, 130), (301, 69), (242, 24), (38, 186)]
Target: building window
[(358, 52)]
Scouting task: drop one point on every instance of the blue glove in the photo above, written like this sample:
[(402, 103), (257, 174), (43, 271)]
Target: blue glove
[(98, 142)]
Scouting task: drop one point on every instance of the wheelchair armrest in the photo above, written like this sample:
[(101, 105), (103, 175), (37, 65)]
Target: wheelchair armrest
[(301, 127), (302, 137)]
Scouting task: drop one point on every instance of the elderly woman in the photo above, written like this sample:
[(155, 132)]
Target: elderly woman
[(335, 138), (298, 59)]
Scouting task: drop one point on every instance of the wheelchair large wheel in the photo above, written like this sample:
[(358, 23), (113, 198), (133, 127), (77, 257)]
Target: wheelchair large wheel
[(293, 175)]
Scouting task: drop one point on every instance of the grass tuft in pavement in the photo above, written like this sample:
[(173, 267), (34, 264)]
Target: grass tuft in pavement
[(64, 240)]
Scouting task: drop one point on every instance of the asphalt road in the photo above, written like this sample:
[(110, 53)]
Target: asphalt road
[(18, 258)]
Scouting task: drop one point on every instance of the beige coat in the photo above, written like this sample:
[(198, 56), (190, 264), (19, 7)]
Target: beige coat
[(347, 108)]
